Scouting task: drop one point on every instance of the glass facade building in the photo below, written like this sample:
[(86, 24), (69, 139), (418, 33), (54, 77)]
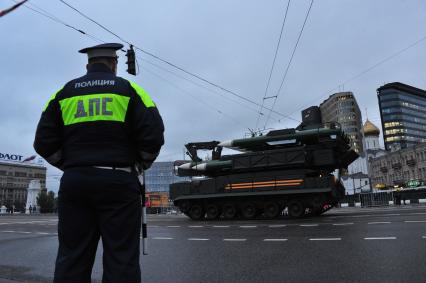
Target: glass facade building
[(343, 108), (160, 176), (403, 115)]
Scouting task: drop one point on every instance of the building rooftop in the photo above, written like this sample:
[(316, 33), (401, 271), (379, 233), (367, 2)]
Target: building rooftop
[(20, 164), (369, 129), (337, 94), (403, 87)]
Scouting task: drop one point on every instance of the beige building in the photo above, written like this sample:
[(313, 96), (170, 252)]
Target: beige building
[(400, 167), (14, 181), (342, 107)]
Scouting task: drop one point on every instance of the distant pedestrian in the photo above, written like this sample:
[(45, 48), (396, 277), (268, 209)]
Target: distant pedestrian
[(34, 209), (30, 209)]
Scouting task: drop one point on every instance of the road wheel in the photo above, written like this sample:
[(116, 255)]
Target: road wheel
[(196, 212), (212, 211), (271, 209), (296, 209), (229, 211), (249, 210), (184, 207)]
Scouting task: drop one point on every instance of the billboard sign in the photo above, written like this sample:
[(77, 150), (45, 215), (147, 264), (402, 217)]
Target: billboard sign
[(10, 157)]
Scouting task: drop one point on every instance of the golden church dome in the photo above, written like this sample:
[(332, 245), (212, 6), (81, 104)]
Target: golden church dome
[(370, 129)]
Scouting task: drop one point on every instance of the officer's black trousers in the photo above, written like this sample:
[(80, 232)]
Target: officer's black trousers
[(92, 204)]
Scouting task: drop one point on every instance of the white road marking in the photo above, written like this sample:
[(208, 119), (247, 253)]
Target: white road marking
[(415, 221), (308, 225), (220, 226), (195, 226), (173, 226), (424, 237), (235, 240), (28, 222), (162, 238), (42, 233), (275, 240), (197, 239), (382, 222), (9, 231), (380, 238), (343, 224), (365, 215), (325, 239), (248, 226), (23, 232), (277, 226)]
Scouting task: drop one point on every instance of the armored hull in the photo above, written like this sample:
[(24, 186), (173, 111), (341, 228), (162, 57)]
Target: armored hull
[(291, 170)]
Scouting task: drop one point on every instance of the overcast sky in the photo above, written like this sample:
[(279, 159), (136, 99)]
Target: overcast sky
[(228, 42)]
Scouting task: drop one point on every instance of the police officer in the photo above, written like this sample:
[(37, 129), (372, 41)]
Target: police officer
[(96, 129)]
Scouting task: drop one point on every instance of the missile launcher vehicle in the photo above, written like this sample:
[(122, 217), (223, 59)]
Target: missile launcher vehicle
[(288, 169)]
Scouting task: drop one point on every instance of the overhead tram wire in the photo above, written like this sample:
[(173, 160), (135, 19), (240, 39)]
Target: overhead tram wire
[(273, 65), (175, 66), (196, 98), (45, 13), (289, 63), (52, 17), (57, 20), (399, 52), (196, 84), (95, 22)]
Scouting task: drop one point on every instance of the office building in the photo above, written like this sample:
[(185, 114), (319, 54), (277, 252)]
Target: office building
[(342, 107), (14, 180), (403, 114), (160, 176), (158, 179)]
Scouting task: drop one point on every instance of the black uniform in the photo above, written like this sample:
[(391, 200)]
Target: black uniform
[(96, 128)]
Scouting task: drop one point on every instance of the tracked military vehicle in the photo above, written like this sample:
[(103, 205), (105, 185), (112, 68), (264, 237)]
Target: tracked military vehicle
[(289, 169)]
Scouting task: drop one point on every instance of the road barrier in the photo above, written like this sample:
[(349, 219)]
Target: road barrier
[(389, 198)]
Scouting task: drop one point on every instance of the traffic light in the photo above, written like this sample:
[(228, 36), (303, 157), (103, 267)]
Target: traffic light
[(131, 61)]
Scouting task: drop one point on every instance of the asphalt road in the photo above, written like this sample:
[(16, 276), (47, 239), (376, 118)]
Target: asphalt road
[(344, 245)]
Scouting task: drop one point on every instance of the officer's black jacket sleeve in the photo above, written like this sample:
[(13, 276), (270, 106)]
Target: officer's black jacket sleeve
[(147, 130), (48, 137)]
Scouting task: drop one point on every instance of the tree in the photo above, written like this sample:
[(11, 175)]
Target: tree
[(46, 201)]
